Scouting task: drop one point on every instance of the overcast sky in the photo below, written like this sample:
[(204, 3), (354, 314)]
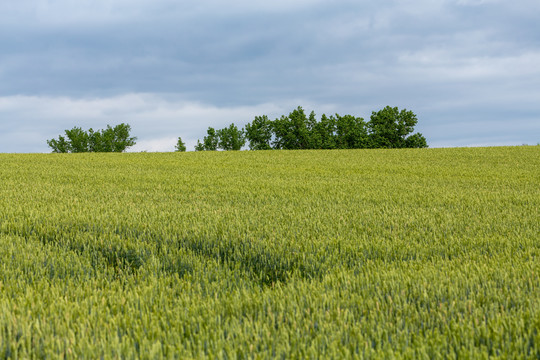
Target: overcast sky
[(469, 69)]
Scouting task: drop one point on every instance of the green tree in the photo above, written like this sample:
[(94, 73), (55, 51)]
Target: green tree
[(199, 146), (416, 141), (95, 141), (292, 132), (231, 138), (59, 146), (351, 132), (111, 139), (117, 138), (323, 133), (389, 128), (210, 141), (259, 133), (180, 146), (77, 140)]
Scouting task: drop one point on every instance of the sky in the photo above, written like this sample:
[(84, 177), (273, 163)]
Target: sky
[(469, 69)]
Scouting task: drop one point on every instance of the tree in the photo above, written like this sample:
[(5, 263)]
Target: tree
[(416, 141), (95, 141), (259, 133), (78, 140), (323, 133), (231, 138), (351, 132), (180, 146), (111, 139), (115, 139), (389, 128), (59, 146), (199, 146), (292, 132), (210, 141)]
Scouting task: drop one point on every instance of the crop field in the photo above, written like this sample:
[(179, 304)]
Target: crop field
[(416, 254)]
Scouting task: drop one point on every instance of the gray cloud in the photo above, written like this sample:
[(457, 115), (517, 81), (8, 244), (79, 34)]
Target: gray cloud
[(446, 60)]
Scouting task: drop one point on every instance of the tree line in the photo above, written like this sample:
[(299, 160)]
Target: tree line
[(387, 128), (111, 139)]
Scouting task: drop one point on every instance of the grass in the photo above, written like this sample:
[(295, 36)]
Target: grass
[(421, 253)]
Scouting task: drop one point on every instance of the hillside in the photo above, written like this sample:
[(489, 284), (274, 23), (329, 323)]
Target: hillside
[(414, 253)]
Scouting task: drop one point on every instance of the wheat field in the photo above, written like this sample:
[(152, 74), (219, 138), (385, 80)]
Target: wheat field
[(413, 253)]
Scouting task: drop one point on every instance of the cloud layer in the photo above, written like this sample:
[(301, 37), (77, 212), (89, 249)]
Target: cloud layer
[(467, 68)]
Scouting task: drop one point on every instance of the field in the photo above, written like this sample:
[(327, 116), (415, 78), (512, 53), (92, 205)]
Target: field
[(419, 254)]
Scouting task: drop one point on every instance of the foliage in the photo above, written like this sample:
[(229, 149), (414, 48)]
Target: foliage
[(199, 146), (293, 131), (259, 133), (180, 145), (210, 141), (59, 146), (416, 141), (323, 133), (390, 127), (230, 138), (372, 254), (351, 132), (111, 139)]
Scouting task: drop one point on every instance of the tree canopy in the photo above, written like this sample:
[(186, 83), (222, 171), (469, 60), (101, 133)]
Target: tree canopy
[(210, 141), (180, 145), (391, 128), (229, 138), (387, 128), (76, 140), (259, 133)]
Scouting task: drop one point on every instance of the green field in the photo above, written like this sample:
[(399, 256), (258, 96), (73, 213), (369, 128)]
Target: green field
[(420, 253)]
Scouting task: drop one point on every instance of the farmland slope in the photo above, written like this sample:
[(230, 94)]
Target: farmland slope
[(425, 253)]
